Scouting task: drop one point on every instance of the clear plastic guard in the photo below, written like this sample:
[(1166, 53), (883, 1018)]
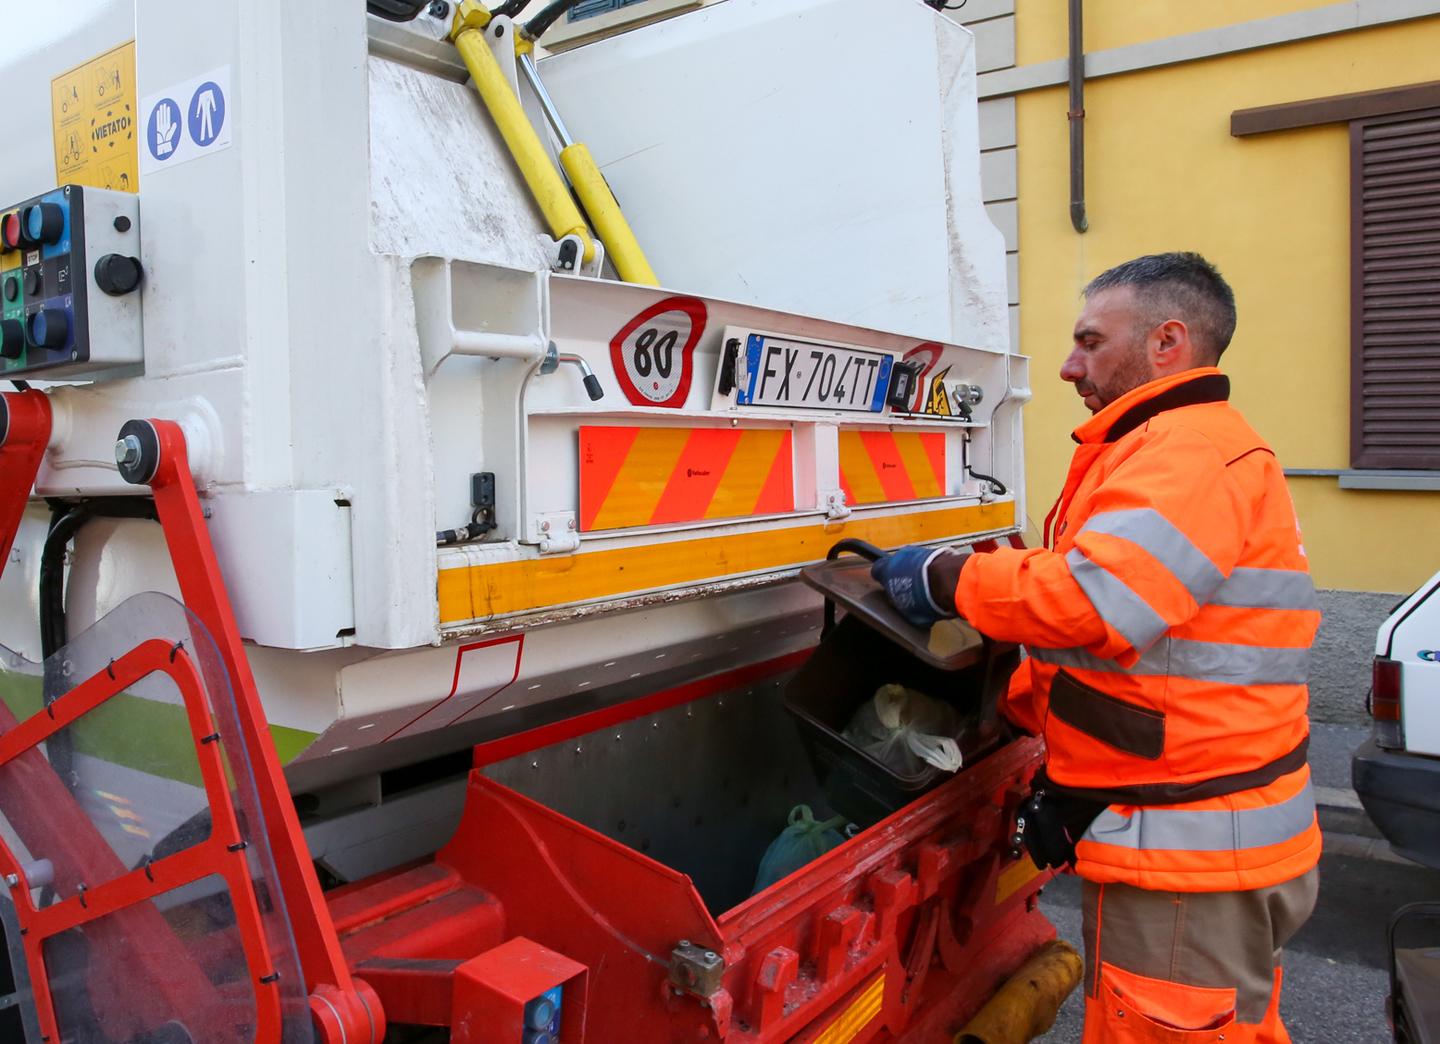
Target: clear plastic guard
[(117, 788)]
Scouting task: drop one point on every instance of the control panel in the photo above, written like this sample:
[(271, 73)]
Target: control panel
[(70, 278)]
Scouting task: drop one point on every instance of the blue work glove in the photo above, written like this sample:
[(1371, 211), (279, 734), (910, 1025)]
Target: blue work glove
[(902, 574)]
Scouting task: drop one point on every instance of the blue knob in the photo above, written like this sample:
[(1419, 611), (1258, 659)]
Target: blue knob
[(48, 328), (44, 223)]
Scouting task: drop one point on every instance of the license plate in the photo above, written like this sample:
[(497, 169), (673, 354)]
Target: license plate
[(802, 375)]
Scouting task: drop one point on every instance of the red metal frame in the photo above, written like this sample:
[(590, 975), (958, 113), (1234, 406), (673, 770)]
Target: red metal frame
[(544, 735), (343, 1009), (909, 919), (920, 918), (22, 448), (48, 816)]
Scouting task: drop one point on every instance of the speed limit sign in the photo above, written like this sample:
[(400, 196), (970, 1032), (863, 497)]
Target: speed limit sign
[(654, 353)]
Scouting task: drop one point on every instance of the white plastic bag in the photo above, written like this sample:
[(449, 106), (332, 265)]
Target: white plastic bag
[(906, 731)]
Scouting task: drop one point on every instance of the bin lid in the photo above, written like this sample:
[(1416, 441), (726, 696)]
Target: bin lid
[(950, 645)]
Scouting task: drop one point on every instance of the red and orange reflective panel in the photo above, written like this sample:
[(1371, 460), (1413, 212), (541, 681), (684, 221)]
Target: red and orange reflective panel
[(631, 476), (879, 467)]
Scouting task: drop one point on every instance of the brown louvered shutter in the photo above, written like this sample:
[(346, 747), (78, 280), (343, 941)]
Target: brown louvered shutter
[(1395, 291)]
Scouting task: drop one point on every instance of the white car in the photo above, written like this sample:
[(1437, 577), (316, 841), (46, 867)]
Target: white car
[(1397, 771)]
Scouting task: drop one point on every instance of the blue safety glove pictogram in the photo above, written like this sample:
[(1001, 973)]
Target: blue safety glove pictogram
[(902, 574)]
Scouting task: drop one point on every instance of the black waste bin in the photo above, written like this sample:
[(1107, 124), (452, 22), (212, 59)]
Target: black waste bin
[(872, 646)]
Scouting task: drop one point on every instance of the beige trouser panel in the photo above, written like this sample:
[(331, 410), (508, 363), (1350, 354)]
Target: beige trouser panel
[(1218, 940)]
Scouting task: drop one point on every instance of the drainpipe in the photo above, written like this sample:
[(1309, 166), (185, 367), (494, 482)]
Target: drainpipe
[(1077, 119)]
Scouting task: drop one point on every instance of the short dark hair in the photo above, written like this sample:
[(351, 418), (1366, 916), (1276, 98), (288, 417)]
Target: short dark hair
[(1180, 285)]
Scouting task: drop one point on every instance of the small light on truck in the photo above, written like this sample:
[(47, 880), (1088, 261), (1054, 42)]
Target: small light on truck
[(1385, 703)]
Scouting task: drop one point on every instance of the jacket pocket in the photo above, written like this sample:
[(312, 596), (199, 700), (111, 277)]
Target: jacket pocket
[(1118, 723), (1133, 1009)]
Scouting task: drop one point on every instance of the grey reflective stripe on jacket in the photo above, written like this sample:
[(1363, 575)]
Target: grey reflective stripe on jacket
[(1154, 532), (1249, 588), (1117, 604), (1221, 662), (1210, 830)]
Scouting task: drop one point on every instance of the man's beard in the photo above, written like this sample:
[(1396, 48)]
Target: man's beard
[(1135, 372)]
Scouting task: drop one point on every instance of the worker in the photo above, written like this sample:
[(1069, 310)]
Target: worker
[(1167, 623)]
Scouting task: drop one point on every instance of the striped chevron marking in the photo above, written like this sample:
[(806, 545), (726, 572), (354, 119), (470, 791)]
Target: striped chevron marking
[(884, 466), (651, 476), (856, 1017)]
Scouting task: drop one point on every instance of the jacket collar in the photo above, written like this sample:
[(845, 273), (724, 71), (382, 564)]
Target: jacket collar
[(1135, 407)]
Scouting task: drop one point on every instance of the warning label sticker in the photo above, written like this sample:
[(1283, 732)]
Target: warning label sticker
[(93, 112)]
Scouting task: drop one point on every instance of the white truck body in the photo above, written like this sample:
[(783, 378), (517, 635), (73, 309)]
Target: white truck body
[(348, 303)]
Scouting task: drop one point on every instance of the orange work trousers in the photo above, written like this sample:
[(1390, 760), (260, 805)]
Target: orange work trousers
[(1186, 967)]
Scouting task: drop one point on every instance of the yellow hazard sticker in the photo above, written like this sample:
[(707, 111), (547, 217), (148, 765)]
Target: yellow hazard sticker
[(855, 1018), (1015, 877), (93, 109), (937, 403)]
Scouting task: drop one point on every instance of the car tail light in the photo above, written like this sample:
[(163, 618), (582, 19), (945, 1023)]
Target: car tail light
[(1385, 692)]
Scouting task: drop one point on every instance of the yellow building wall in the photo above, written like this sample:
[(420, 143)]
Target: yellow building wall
[(1272, 212), (1109, 24)]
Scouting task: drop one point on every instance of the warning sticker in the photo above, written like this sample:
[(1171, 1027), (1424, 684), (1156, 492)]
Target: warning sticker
[(93, 112), (937, 404)]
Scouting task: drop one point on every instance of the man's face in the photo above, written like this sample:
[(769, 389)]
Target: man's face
[(1110, 356)]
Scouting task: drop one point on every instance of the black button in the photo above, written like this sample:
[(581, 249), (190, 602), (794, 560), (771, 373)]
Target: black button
[(33, 282), (117, 274), (12, 288), (12, 338)]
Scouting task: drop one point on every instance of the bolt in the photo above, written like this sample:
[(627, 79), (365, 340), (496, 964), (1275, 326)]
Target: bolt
[(544, 527), (127, 451), (709, 955), (439, 9), (13, 880), (569, 523), (499, 31)]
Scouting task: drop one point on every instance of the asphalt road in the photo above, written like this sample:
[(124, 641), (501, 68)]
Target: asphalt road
[(1335, 968)]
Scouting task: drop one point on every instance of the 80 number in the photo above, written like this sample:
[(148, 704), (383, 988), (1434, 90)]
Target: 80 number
[(663, 356)]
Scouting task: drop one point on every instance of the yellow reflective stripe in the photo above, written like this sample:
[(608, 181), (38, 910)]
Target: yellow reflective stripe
[(859, 470), (746, 474), (856, 1017), (1014, 877), (478, 592), (917, 464), (642, 478)]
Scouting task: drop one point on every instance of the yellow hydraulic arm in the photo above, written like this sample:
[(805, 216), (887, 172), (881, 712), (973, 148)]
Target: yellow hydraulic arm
[(546, 185)]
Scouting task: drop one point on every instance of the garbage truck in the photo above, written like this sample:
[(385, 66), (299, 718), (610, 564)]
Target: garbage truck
[(411, 443)]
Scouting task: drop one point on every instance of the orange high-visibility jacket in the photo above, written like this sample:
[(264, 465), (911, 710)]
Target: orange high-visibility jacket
[(1168, 628)]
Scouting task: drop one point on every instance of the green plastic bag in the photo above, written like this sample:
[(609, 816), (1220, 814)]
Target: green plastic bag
[(800, 843)]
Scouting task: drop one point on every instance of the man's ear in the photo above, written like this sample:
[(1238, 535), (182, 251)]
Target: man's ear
[(1171, 349)]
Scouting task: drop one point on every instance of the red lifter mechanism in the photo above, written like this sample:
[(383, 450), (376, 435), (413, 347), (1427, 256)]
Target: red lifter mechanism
[(899, 935), (342, 1008)]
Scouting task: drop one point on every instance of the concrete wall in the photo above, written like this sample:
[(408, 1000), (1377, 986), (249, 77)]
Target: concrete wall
[(1341, 658)]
